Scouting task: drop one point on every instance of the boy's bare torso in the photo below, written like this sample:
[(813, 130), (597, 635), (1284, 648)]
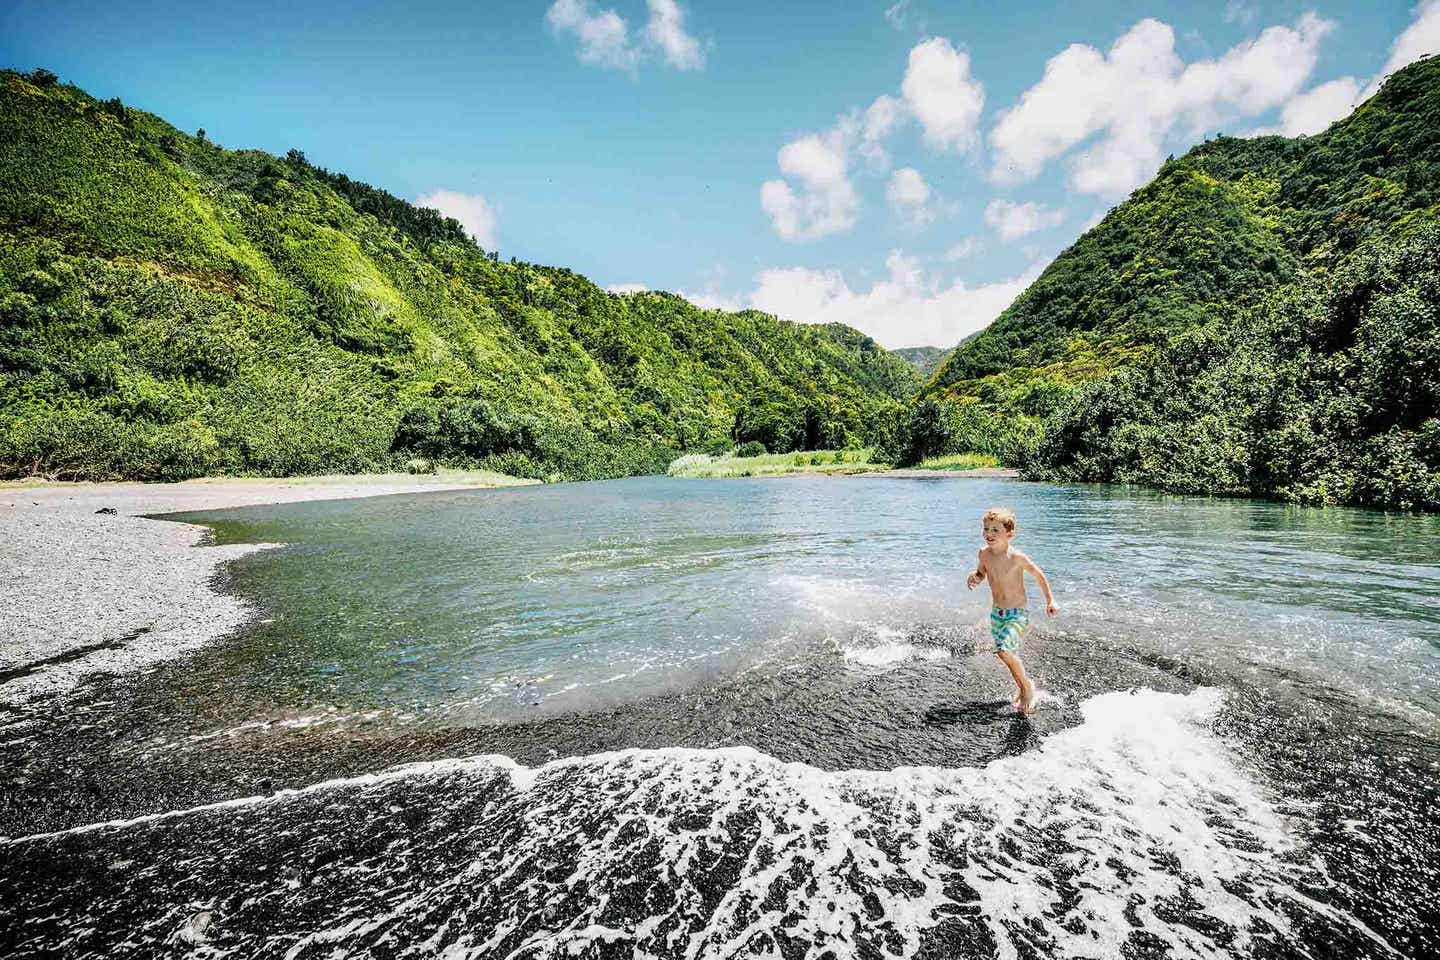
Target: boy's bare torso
[(1005, 572)]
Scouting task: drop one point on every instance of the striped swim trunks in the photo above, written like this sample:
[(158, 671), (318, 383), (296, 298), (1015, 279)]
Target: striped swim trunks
[(1006, 626)]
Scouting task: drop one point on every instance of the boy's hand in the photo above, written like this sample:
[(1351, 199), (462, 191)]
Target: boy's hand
[(1051, 609), (974, 580)]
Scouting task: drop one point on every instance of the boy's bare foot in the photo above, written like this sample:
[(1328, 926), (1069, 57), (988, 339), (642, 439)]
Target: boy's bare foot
[(1026, 704)]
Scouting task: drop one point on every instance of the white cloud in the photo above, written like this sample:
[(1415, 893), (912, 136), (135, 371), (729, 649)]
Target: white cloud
[(1094, 220), (826, 202), (1420, 39), (666, 30), (604, 36), (1015, 220), (1135, 95), (942, 95), (624, 288), (475, 213), (937, 90), (960, 250), (1311, 112), (909, 197), (713, 300), (877, 122), (907, 308)]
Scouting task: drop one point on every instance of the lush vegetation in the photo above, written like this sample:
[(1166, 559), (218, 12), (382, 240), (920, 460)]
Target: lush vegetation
[(925, 360), (169, 308), (960, 462), (737, 464), (1260, 319)]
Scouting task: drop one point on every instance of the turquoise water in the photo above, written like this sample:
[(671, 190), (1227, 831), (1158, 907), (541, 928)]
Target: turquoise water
[(488, 603)]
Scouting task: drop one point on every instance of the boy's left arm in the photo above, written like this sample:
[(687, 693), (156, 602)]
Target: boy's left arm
[(1039, 575)]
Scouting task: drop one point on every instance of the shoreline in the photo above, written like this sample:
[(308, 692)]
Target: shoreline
[(975, 473), (86, 592), (895, 473)]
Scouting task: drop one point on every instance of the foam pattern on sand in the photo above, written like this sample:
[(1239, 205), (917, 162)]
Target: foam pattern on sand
[(1137, 830)]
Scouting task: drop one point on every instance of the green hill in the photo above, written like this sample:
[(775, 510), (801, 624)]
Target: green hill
[(925, 360), (169, 309), (1259, 319)]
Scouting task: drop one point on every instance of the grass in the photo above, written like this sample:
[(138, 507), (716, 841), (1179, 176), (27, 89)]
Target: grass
[(774, 464), (959, 461)]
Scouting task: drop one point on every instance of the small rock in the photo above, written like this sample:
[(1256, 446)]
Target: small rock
[(196, 927), (106, 511)]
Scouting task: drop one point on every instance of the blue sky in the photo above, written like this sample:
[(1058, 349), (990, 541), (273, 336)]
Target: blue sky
[(903, 167)]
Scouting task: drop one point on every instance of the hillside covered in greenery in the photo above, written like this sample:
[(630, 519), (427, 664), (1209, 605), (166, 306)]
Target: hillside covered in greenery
[(169, 308), (925, 360), (1263, 318)]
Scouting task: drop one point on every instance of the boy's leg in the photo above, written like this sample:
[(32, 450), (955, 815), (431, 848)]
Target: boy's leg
[(1022, 682)]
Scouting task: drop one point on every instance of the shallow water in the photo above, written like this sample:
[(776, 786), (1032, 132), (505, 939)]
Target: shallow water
[(720, 718)]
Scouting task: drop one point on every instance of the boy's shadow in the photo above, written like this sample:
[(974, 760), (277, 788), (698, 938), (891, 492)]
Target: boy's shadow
[(1020, 734), (971, 712)]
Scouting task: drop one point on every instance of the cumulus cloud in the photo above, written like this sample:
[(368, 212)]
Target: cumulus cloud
[(826, 202), (1015, 220), (713, 300), (1135, 95), (666, 30), (1311, 112), (604, 40), (937, 90), (475, 213), (941, 94), (877, 122), (1420, 39), (906, 308), (603, 36), (909, 197)]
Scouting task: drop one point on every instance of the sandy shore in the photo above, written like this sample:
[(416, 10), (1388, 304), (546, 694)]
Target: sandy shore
[(1004, 473), (83, 592)]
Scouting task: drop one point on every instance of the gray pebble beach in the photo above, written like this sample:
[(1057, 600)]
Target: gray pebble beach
[(84, 592)]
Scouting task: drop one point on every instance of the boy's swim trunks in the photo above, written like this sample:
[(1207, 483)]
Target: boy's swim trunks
[(1006, 625)]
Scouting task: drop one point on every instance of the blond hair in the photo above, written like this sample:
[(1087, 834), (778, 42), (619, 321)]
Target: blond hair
[(1005, 515)]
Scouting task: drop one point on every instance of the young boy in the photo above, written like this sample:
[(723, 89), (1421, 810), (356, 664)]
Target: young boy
[(1005, 569)]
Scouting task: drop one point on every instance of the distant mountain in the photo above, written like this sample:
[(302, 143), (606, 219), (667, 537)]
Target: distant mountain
[(925, 360), (1259, 319), (169, 308)]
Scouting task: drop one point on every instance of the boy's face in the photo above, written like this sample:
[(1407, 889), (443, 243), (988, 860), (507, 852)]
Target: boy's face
[(995, 533)]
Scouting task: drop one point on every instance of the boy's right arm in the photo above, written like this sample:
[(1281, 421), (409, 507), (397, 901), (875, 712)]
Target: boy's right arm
[(977, 576)]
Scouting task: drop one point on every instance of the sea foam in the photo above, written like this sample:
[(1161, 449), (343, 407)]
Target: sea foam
[(1139, 822)]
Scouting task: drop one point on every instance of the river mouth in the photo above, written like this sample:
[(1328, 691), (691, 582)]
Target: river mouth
[(860, 790)]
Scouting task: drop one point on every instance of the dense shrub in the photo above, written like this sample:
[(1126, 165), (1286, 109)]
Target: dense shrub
[(1328, 392), (750, 448), (936, 428)]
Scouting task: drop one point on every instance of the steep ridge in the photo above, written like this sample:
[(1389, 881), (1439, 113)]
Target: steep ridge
[(1259, 319), (169, 308)]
